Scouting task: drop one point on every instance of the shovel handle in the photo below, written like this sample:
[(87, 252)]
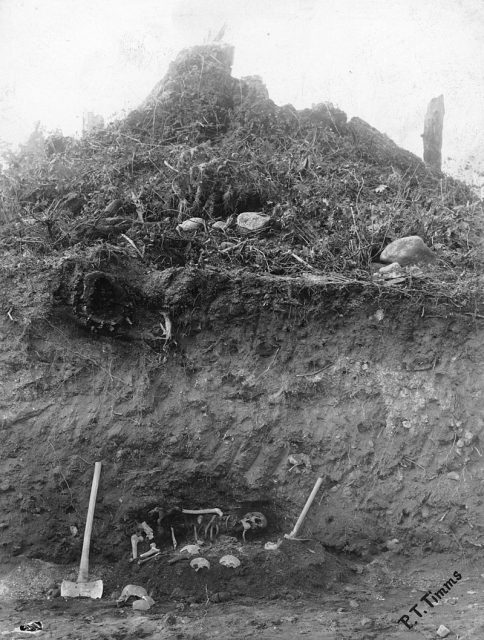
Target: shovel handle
[(309, 502), (84, 566)]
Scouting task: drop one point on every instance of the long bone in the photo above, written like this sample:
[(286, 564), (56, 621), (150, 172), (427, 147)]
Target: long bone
[(142, 561), (152, 551), (196, 512), (135, 538)]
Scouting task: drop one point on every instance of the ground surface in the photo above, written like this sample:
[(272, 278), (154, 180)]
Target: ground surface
[(366, 605)]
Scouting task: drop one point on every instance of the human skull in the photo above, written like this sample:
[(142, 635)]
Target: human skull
[(132, 591), (199, 563), (254, 520), (191, 549), (230, 561)]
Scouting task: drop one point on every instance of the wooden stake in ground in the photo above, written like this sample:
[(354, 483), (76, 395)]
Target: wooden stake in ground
[(432, 135)]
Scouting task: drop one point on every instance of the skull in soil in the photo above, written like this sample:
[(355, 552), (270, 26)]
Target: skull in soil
[(230, 561), (200, 563), (130, 593), (255, 521)]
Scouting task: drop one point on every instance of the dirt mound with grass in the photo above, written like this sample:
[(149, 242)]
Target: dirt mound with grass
[(210, 365)]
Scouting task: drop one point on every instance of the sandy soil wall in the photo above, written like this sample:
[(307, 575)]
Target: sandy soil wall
[(384, 403)]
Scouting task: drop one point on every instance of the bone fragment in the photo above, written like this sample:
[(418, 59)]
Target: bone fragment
[(175, 543), (135, 538), (148, 530), (151, 552), (166, 328), (142, 561)]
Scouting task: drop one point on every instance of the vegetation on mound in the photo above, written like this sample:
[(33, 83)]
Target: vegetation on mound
[(209, 146)]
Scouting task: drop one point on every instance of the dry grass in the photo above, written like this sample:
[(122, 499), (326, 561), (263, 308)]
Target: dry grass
[(336, 192)]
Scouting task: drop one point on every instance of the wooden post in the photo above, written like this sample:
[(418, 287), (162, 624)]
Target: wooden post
[(432, 135)]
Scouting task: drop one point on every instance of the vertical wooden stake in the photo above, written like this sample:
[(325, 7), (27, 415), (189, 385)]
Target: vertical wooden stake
[(432, 135)]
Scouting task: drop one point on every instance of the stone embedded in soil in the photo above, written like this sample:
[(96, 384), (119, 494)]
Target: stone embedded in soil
[(220, 224), (170, 619), (453, 475), (143, 604), (192, 224), (393, 267), (406, 251), (442, 631), (393, 545), (252, 221)]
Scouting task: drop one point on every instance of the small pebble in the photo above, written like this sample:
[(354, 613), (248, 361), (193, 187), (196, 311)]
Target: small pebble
[(442, 631), (453, 475), (170, 619)]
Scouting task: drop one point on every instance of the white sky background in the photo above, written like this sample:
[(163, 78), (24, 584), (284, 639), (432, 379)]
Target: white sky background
[(381, 60)]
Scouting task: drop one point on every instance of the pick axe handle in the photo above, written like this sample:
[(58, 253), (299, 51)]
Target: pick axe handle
[(84, 566), (309, 502)]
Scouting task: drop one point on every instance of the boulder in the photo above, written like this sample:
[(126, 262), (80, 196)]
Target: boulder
[(408, 250), (250, 221)]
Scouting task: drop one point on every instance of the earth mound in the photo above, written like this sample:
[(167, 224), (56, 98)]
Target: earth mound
[(199, 352)]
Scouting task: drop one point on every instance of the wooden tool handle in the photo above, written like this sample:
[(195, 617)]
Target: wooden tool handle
[(84, 566), (309, 502)]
